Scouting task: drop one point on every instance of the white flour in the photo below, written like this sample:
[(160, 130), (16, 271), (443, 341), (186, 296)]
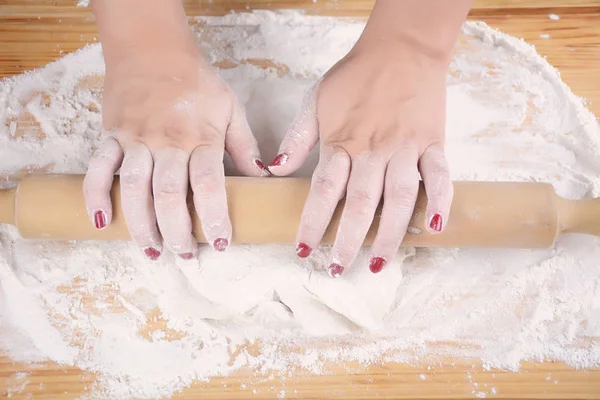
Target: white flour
[(148, 329)]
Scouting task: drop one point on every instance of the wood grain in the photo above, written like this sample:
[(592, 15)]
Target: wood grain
[(573, 47), (450, 379), (35, 32)]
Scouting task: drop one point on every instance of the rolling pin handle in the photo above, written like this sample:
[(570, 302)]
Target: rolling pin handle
[(579, 216), (7, 206)]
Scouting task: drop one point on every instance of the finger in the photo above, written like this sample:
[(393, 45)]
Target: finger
[(98, 181), (241, 145), (207, 178), (136, 198), (438, 185), (326, 189), (362, 197), (300, 138), (400, 194), (170, 188)]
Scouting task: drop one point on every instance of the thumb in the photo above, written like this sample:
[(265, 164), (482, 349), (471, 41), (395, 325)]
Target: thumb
[(241, 144), (300, 138)]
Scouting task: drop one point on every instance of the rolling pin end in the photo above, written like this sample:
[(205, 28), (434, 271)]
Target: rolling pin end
[(579, 216)]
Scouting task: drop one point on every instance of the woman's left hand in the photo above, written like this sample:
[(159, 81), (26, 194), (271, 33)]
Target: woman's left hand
[(380, 116)]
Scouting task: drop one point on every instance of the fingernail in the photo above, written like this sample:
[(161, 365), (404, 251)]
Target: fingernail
[(220, 244), (303, 250), (377, 264), (152, 253), (335, 270), (260, 165), (187, 256), (100, 219), (279, 160), (436, 223)]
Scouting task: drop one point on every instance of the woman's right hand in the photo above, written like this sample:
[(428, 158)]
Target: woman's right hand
[(167, 117)]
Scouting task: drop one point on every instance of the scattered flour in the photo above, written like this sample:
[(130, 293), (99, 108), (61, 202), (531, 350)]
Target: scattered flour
[(16, 384), (149, 329)]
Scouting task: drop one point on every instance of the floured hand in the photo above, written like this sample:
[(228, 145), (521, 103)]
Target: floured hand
[(380, 116), (168, 117), (379, 123)]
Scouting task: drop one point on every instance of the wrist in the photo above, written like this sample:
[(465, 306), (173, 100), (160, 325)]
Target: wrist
[(406, 47), (426, 27), (148, 51), (142, 27)]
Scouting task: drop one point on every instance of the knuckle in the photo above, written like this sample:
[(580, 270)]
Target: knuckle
[(168, 193), (402, 192), (435, 161), (324, 186), (103, 161), (212, 133), (136, 171), (205, 181), (98, 166), (360, 201), (442, 169), (298, 135), (132, 179), (245, 147), (174, 134), (102, 157), (438, 172), (337, 158), (169, 188)]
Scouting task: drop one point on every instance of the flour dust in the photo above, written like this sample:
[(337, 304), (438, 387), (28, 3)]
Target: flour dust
[(149, 329)]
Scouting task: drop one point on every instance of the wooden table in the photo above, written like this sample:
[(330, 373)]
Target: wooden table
[(35, 32)]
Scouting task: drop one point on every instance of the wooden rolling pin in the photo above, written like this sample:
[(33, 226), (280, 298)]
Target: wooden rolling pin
[(267, 210)]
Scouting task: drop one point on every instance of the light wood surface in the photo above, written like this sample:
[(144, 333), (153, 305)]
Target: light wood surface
[(27, 41), (453, 379)]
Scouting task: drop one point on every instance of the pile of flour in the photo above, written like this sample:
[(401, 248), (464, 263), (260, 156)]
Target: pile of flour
[(148, 329)]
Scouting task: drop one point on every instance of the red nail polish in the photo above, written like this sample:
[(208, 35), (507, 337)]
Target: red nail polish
[(335, 270), (377, 264), (100, 219), (279, 160), (152, 253), (436, 223), (303, 250), (187, 256), (261, 166), (220, 244)]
